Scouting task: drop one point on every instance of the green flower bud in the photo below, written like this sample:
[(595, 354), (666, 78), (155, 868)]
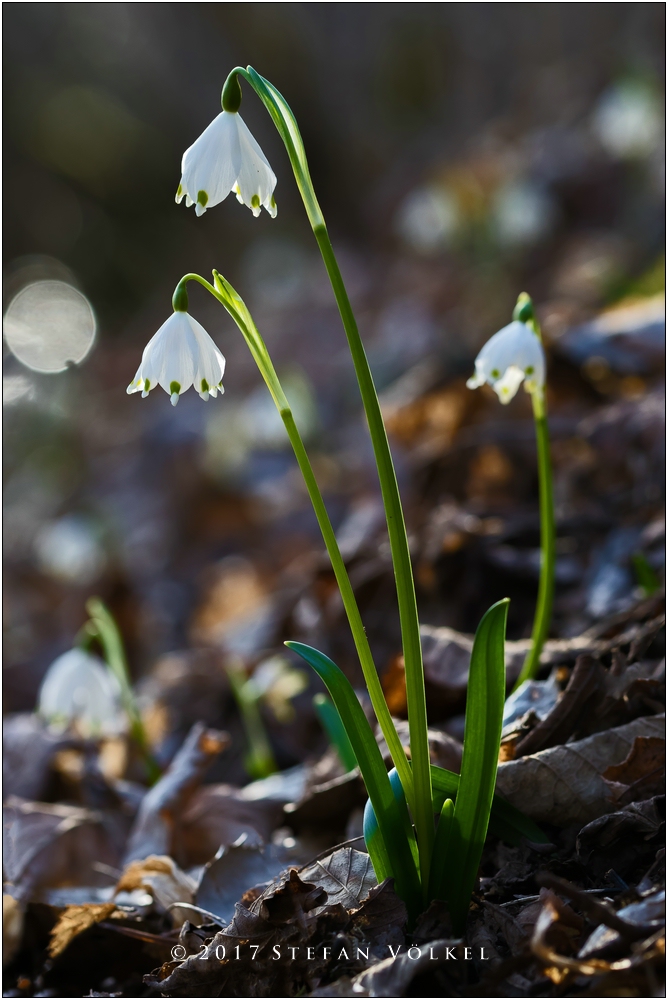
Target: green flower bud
[(180, 298), (523, 310), (231, 96)]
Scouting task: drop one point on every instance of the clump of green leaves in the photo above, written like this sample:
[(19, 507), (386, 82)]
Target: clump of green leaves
[(464, 804)]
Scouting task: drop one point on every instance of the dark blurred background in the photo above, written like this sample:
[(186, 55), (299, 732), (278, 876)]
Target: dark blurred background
[(461, 153)]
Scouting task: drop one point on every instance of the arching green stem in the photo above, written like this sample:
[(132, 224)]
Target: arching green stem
[(235, 306), (420, 795)]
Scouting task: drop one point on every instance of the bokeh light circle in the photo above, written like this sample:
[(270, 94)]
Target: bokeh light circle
[(49, 325)]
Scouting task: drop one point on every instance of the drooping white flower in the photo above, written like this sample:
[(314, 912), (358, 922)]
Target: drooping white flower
[(628, 120), (179, 355), (79, 690), (512, 356), (226, 158)]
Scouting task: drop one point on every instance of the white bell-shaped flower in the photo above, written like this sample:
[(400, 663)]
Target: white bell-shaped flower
[(179, 355), (512, 356), (79, 690), (226, 158)]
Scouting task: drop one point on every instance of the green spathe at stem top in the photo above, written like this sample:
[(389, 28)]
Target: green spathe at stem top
[(226, 158)]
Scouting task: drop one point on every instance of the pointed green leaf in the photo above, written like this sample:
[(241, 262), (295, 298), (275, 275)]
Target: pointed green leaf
[(338, 737), (482, 736), (441, 855), (391, 820), (505, 820)]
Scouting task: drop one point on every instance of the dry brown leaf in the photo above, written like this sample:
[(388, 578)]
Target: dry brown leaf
[(74, 920), (609, 841), (183, 688), (558, 966), (638, 919), (29, 747), (237, 592), (429, 423), (394, 686), (217, 815), (513, 930), (234, 871), (165, 881), (346, 875), (565, 784), (48, 845), (328, 804), (584, 686), (447, 654), (641, 774), (133, 876), (444, 750), (333, 900), (647, 753), (490, 472), (392, 976), (289, 911), (156, 826), (12, 927)]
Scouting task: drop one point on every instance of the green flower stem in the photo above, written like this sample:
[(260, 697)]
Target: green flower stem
[(103, 627), (419, 796), (260, 761), (403, 571), (235, 306), (543, 614)]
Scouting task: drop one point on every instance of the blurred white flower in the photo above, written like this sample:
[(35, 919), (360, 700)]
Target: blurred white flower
[(226, 158), (69, 550), (277, 681), (512, 356), (79, 690), (628, 120), (179, 355), (427, 219), (523, 213)]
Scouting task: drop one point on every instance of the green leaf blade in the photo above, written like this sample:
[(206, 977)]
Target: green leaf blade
[(482, 737), (375, 844), (338, 737), (286, 125), (442, 851), (505, 821), (386, 807)]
